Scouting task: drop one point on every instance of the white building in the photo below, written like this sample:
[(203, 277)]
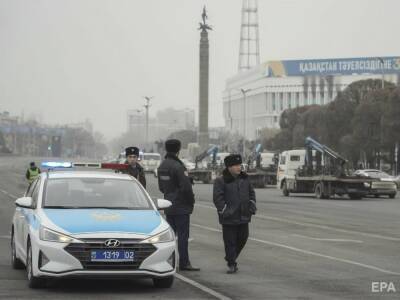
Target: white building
[(255, 99)]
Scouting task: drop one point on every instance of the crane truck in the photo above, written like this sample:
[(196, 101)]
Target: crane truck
[(320, 170)]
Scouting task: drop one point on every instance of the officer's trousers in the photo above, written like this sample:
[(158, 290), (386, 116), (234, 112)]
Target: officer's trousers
[(235, 238), (180, 224)]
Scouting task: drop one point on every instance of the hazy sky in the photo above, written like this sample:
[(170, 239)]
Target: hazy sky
[(67, 60)]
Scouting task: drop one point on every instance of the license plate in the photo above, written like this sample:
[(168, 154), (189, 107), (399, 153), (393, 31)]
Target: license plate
[(112, 255)]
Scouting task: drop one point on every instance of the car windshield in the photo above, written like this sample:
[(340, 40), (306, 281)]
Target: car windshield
[(94, 193), (151, 156)]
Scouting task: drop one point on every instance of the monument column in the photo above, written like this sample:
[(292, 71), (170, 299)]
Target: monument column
[(203, 83)]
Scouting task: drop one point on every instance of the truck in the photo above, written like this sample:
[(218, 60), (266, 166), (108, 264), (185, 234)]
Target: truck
[(319, 170), (262, 167), (208, 174)]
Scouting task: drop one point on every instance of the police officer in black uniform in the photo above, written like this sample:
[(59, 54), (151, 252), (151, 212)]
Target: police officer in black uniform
[(174, 183), (134, 168), (235, 200)]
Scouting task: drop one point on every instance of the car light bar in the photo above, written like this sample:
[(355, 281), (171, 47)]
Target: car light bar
[(64, 165), (56, 164)]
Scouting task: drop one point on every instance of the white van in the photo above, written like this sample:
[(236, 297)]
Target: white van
[(289, 162), (150, 162)]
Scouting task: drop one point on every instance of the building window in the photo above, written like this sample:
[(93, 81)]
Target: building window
[(281, 101), (275, 119), (297, 99), (273, 102)]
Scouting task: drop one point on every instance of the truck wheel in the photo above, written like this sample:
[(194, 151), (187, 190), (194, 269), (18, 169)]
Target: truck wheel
[(355, 196), (318, 191), (285, 190)]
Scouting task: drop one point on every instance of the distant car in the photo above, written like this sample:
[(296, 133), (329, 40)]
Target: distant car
[(91, 224), (188, 164), (385, 186), (150, 162)]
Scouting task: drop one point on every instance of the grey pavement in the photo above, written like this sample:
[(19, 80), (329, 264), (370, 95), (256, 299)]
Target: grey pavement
[(299, 248)]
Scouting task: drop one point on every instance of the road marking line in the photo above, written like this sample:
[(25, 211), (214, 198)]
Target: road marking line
[(327, 240), (8, 194), (308, 252), (378, 236), (202, 287)]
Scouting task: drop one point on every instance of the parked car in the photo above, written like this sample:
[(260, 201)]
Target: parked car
[(384, 186)]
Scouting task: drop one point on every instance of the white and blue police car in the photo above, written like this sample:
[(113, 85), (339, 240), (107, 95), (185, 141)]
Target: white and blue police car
[(91, 223)]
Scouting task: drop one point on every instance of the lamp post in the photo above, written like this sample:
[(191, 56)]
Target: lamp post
[(244, 92), (383, 78), (147, 106)]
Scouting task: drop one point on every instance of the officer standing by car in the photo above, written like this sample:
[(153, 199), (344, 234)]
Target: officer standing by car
[(134, 168), (174, 183), (32, 173), (235, 200)]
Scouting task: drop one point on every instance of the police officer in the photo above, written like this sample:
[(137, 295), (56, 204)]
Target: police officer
[(235, 200), (134, 168), (174, 183), (32, 173)]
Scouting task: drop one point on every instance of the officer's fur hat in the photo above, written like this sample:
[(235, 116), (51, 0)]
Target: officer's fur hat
[(233, 159), (173, 146), (132, 151)]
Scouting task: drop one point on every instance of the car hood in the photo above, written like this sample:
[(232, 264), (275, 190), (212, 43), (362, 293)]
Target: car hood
[(78, 221)]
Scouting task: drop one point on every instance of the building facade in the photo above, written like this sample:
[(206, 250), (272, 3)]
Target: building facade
[(255, 99)]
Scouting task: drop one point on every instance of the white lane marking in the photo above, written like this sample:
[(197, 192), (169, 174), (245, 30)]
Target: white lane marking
[(327, 240), (8, 194), (202, 287), (258, 216), (309, 252)]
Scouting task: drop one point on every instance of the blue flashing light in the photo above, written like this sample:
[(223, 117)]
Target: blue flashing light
[(56, 164)]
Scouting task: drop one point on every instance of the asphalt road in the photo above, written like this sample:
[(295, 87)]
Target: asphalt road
[(299, 248)]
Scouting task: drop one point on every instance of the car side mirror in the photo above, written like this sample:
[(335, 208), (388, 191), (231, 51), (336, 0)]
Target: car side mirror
[(163, 204), (25, 202)]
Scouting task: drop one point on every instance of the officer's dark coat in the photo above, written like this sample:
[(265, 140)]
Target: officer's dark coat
[(234, 198), (176, 186), (137, 172)]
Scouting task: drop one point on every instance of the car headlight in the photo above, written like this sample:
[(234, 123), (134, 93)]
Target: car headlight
[(53, 236), (367, 185), (163, 237)]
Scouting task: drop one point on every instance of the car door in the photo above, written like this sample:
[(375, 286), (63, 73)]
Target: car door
[(23, 220)]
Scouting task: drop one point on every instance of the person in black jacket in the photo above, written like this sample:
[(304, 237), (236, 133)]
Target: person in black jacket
[(235, 200), (174, 183), (134, 169)]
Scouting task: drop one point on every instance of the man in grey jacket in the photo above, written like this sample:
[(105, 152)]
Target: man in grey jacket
[(235, 200)]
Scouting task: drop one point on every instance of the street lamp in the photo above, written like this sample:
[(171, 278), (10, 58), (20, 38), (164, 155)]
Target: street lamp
[(244, 92), (147, 106), (383, 78)]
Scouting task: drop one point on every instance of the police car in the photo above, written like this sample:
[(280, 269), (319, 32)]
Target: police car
[(91, 223)]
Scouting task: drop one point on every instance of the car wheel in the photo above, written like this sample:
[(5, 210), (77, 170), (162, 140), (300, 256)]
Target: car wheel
[(376, 196), (163, 283), (318, 191), (392, 196), (33, 281), (16, 263)]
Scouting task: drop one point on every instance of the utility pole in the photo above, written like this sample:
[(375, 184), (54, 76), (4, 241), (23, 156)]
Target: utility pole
[(383, 74), (244, 92), (147, 106)]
